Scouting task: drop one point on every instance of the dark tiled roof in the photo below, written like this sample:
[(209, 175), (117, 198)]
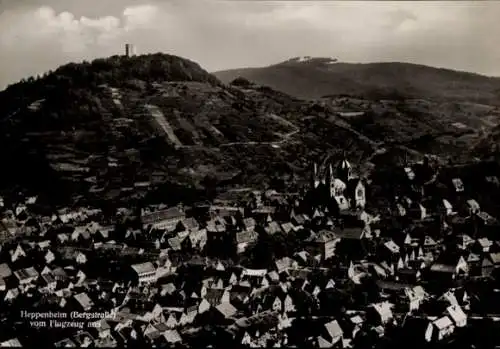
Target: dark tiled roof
[(172, 213), (350, 233), (246, 237)]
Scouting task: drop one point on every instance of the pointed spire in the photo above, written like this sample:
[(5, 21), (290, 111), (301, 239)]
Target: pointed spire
[(401, 264), (407, 239), (412, 255), (420, 252), (465, 297), (315, 175), (351, 272)]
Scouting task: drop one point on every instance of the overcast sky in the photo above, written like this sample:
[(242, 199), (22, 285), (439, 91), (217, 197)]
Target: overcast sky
[(38, 35)]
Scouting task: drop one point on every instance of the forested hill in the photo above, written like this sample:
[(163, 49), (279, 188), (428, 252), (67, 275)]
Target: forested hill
[(65, 83), (118, 128), (312, 77)]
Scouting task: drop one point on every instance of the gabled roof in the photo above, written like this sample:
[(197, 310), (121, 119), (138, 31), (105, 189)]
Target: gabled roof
[(392, 246), (287, 227), (323, 343), (273, 228), (447, 204), (493, 180), (383, 308), (175, 243), (443, 268), (14, 342), (60, 273), (84, 300), (273, 276), (143, 268), (172, 336), (5, 270), (324, 236), (226, 309), (333, 328), (487, 218), (65, 343), (456, 313), (249, 222), (26, 273), (465, 240), (254, 272), (495, 258), (473, 204), (283, 263), (190, 223), (172, 213), (443, 322), (429, 242), (48, 278), (472, 258), (485, 242), (246, 237), (216, 225)]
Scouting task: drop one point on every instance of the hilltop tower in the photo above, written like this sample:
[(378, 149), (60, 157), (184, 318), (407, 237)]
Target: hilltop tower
[(129, 50)]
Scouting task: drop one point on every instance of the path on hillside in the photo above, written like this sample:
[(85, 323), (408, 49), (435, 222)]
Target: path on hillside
[(285, 138), (156, 113), (346, 126), (160, 119)]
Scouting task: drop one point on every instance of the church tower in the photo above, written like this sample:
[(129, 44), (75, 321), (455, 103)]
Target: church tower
[(330, 180), (314, 176), (344, 170)]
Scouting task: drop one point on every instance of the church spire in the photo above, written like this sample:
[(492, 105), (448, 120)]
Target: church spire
[(344, 169), (314, 175)]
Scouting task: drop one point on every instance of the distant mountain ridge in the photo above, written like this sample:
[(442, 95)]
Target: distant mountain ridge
[(319, 77)]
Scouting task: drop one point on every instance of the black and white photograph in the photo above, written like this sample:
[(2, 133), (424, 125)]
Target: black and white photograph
[(250, 173)]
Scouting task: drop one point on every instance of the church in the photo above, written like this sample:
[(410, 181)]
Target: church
[(338, 185)]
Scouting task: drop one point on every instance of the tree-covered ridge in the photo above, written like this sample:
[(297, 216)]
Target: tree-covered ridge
[(318, 77), (62, 84)]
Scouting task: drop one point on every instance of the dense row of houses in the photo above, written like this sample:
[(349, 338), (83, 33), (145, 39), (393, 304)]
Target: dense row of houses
[(425, 263)]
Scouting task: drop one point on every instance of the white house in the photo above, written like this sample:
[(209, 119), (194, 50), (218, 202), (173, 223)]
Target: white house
[(458, 184), (384, 311), (448, 208), (26, 276), (145, 272), (458, 316), (416, 296), (473, 206), (439, 329)]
